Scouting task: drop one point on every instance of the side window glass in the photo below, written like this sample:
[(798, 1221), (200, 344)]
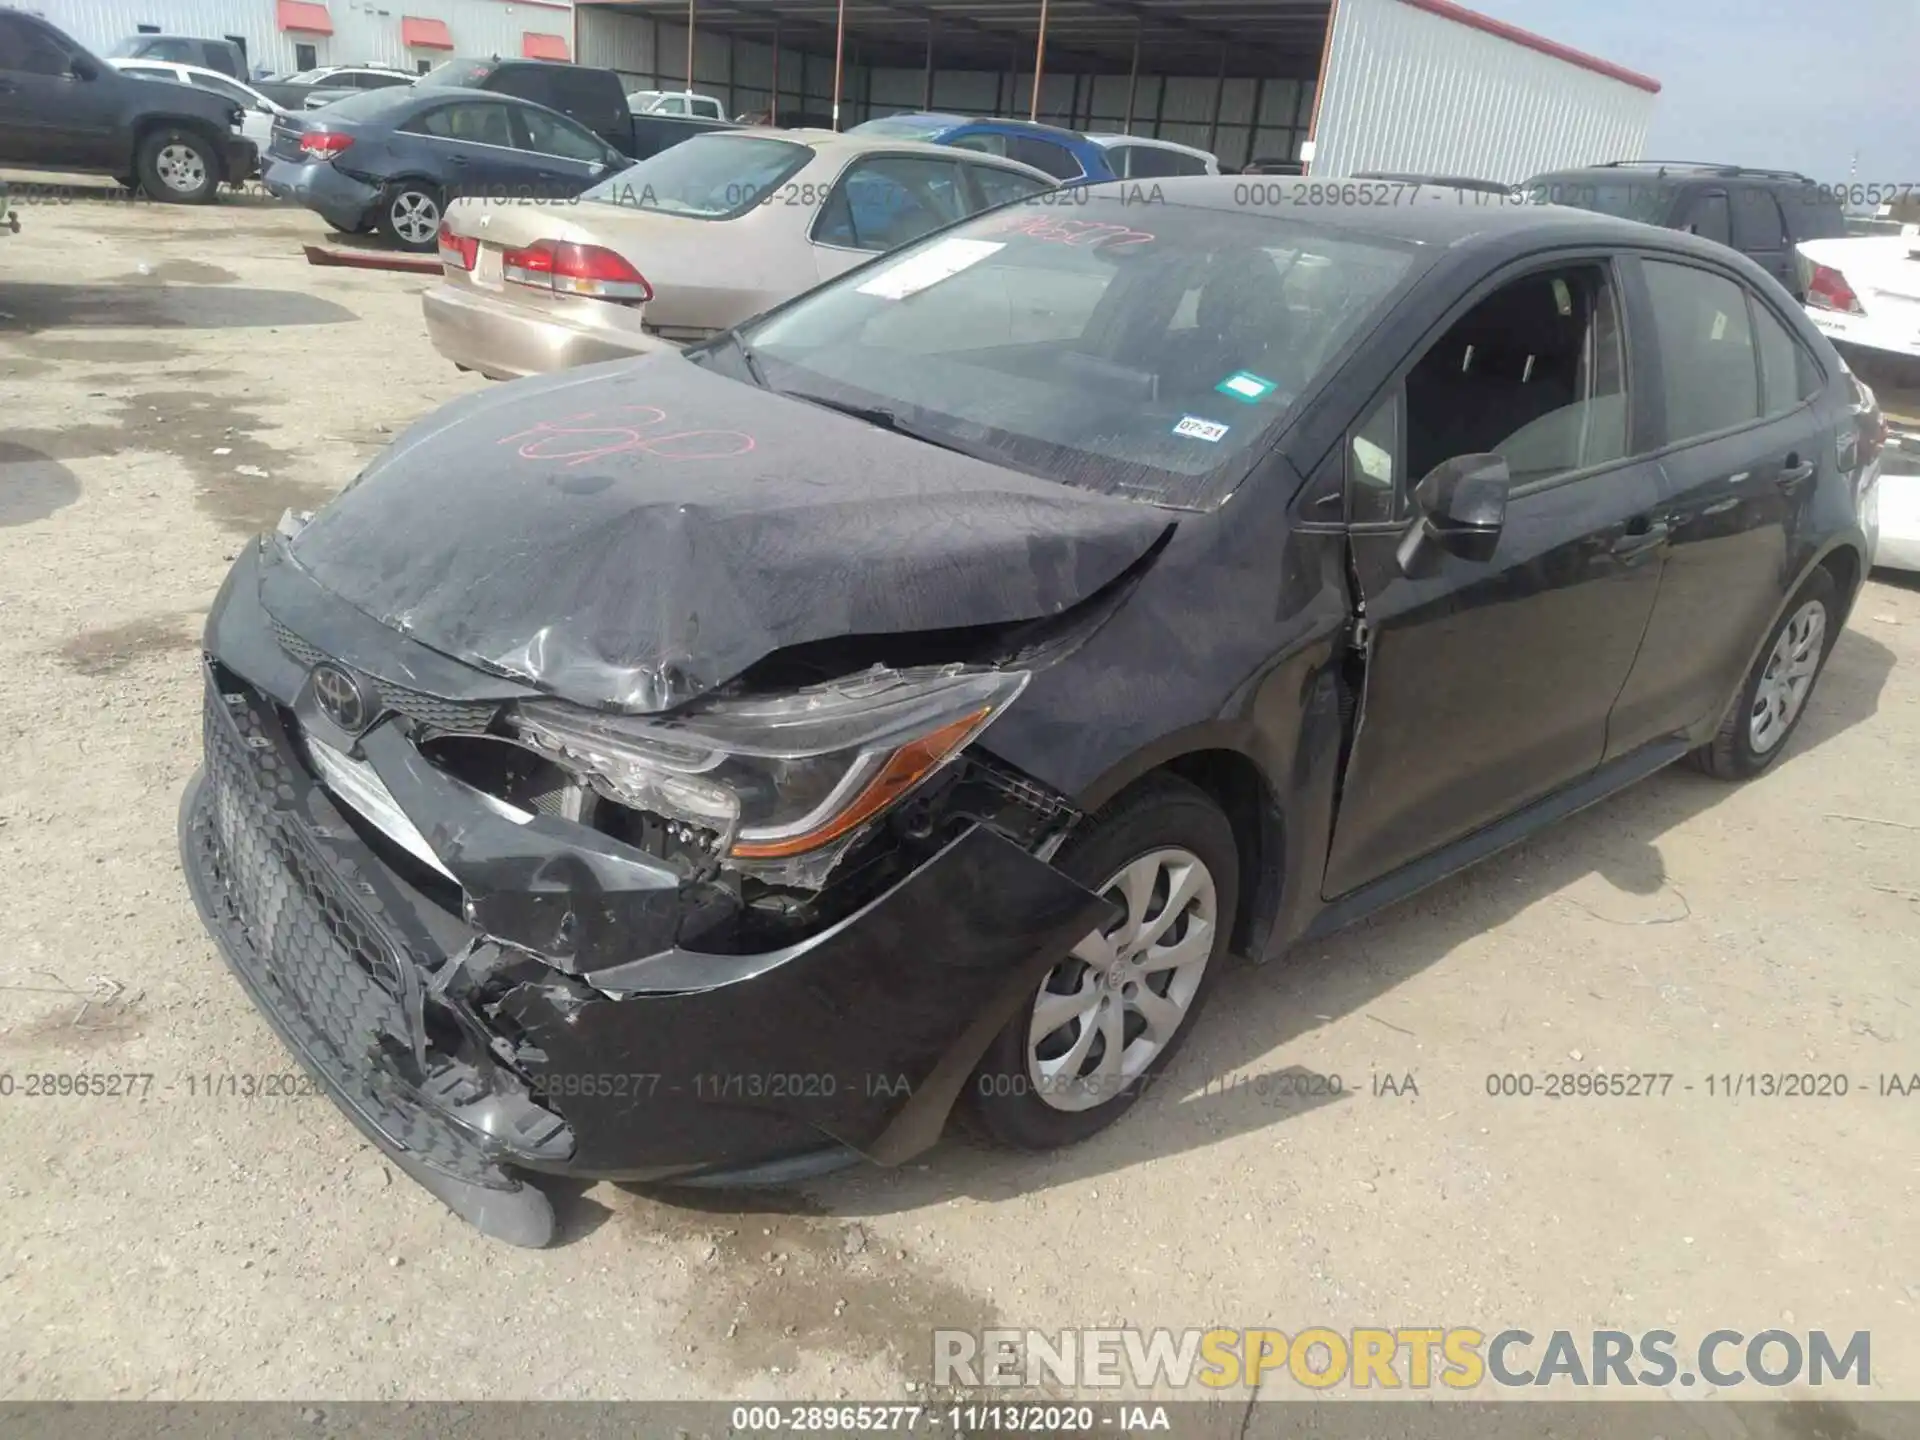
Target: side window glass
[(985, 144), (550, 135), (1150, 163), (1535, 373), (1785, 368), (1756, 222), (1711, 377), (998, 186), (27, 49), (1708, 218), (1370, 460), (886, 201), (1056, 160), (474, 124)]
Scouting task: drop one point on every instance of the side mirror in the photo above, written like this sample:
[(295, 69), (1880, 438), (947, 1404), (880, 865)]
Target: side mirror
[(82, 68), (1462, 506)]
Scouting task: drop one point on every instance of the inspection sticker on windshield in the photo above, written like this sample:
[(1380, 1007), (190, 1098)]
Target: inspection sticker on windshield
[(929, 267), (1200, 429), (1245, 385)]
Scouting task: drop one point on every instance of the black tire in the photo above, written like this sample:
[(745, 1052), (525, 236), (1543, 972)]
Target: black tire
[(179, 167), (1003, 1102), (403, 212), (1732, 754)]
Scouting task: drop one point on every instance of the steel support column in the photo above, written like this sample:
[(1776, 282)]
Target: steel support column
[(1039, 63), (926, 83), (1219, 94), (1133, 77), (839, 53), (690, 21), (773, 109)]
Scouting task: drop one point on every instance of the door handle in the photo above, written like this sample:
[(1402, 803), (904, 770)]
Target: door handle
[(1794, 474), (7, 87), (1638, 542)]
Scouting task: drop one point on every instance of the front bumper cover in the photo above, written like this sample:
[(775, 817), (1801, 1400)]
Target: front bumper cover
[(474, 1060)]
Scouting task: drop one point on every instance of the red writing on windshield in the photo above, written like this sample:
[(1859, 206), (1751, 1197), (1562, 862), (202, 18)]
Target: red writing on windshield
[(635, 429), (1105, 234)]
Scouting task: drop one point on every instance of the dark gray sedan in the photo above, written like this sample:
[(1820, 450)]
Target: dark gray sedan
[(391, 160)]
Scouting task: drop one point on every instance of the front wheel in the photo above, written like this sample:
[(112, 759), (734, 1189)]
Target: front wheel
[(178, 167), (1774, 695), (410, 214), (1111, 1013)]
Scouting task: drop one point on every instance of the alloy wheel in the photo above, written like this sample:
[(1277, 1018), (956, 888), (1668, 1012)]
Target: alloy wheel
[(181, 168), (1788, 677), (1107, 1010), (414, 217)]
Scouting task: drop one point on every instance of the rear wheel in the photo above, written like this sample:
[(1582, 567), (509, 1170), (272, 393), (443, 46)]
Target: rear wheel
[(1112, 1012), (1774, 695), (409, 212), (178, 167)]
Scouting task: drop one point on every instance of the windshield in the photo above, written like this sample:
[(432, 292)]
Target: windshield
[(1138, 354), (710, 177), (457, 72), (1648, 201)]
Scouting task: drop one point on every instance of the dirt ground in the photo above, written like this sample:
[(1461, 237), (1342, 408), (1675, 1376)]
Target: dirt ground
[(172, 379)]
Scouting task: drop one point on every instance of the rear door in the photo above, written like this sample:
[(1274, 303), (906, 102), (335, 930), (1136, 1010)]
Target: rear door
[(49, 116), (471, 142), (1488, 682), (1743, 443), (565, 158)]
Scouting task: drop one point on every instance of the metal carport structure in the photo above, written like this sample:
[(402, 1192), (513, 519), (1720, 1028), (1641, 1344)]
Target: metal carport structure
[(1246, 79)]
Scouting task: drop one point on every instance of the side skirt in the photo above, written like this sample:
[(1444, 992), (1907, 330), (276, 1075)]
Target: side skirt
[(1411, 878)]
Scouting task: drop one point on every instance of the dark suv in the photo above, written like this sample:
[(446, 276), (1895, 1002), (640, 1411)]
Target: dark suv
[(1761, 213), (62, 109)]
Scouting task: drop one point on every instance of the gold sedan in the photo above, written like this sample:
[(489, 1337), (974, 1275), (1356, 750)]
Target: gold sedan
[(691, 241)]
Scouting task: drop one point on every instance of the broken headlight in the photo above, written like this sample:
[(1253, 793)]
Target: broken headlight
[(780, 784)]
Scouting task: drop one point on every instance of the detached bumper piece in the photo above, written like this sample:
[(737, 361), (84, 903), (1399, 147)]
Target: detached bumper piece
[(546, 999)]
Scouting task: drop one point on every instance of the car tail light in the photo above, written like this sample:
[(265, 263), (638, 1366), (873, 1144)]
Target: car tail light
[(457, 251), (569, 268), (324, 144), (1827, 289)]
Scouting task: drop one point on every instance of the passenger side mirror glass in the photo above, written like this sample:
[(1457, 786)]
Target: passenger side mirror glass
[(83, 68), (1462, 505)]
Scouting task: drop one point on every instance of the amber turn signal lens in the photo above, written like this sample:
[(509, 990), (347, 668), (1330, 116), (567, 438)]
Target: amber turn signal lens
[(905, 768)]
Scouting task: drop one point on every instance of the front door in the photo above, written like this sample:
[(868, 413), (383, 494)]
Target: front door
[(1745, 446), (1488, 681), (49, 115)]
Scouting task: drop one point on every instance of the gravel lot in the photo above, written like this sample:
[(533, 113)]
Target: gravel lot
[(172, 379)]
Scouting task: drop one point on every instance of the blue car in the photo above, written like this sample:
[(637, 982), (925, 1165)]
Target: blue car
[(1069, 157)]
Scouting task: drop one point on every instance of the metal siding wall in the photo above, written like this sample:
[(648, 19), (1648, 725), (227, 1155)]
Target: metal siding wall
[(363, 31), (1408, 90)]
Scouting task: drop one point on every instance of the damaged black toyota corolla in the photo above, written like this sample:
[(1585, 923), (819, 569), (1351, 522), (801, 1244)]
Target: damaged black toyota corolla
[(725, 765)]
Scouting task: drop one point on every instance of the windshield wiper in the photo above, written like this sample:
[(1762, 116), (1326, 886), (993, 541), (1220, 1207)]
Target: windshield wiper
[(749, 359), (881, 418)]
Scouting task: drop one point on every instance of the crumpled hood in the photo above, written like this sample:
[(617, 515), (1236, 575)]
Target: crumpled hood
[(632, 535)]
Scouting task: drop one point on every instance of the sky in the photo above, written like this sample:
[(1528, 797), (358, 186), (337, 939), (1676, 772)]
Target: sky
[(1786, 84)]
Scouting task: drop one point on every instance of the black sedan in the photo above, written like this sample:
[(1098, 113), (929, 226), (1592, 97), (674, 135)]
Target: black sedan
[(720, 766), (391, 159)]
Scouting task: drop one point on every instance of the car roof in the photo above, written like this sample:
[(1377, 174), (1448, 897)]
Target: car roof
[(120, 62), (1438, 217), (945, 121), (1110, 139), (828, 142)]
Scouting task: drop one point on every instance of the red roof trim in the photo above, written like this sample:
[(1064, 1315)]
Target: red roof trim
[(304, 15), (425, 33), (536, 46), (1446, 9)]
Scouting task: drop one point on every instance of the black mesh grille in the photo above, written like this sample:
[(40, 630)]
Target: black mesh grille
[(459, 717), (315, 954)]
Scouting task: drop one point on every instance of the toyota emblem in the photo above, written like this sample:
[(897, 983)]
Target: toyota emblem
[(340, 698)]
